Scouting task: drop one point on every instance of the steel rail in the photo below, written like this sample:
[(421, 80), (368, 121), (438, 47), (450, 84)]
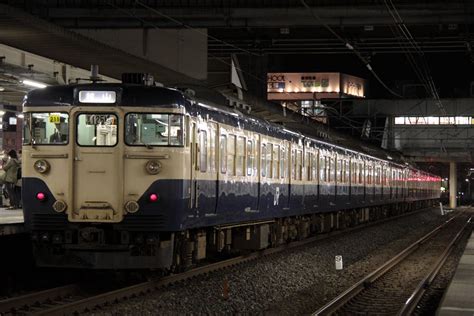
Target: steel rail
[(90, 303), (424, 284), (355, 289), (15, 303)]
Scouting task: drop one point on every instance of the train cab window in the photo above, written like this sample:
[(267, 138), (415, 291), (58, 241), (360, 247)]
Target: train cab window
[(240, 156), (231, 155), (97, 129), (46, 129), (223, 153), (152, 129), (203, 151), (276, 153)]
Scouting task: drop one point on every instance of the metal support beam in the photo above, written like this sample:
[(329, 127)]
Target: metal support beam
[(453, 185)]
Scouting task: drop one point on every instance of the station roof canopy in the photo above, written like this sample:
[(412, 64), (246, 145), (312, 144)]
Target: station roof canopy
[(29, 33)]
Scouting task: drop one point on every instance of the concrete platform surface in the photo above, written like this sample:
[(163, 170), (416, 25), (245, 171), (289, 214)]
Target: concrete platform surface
[(459, 297), (11, 222)]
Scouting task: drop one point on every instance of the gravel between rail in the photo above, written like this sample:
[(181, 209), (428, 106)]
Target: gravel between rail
[(432, 298), (297, 281)]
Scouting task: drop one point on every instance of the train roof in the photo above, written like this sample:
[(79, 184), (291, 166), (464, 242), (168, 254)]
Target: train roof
[(127, 95), (141, 95)]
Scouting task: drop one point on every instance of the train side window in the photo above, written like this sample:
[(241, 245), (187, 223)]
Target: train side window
[(308, 165), (361, 173), (263, 160), (293, 164), (333, 163), (353, 172), (212, 149), (339, 171), (154, 129), (346, 171), (299, 163), (282, 163), (250, 157), (314, 167), (269, 160), (231, 154), (275, 163), (369, 174), (203, 151), (322, 168), (240, 155), (378, 179), (223, 153)]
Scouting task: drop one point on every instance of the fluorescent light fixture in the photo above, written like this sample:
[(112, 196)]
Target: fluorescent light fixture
[(34, 84)]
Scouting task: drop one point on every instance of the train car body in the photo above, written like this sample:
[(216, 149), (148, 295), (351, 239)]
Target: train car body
[(120, 176)]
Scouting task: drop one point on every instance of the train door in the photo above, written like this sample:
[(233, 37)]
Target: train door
[(98, 166), (194, 165), (206, 178)]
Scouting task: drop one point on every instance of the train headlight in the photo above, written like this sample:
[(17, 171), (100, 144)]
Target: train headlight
[(59, 206), (42, 166), (131, 206), (153, 167)]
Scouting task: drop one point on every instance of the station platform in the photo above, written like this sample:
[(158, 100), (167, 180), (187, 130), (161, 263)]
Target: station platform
[(11, 222), (459, 297)]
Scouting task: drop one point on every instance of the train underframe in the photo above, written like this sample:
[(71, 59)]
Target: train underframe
[(97, 247)]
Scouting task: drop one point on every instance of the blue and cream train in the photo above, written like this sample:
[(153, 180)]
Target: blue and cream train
[(120, 176)]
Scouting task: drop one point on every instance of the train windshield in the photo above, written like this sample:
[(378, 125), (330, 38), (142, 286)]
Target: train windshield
[(97, 129), (149, 129), (46, 128)]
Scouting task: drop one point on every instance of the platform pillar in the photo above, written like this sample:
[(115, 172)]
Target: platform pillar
[(453, 184)]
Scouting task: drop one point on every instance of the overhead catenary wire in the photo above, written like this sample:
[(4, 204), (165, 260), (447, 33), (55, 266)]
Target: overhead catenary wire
[(405, 32), (350, 47), (263, 80)]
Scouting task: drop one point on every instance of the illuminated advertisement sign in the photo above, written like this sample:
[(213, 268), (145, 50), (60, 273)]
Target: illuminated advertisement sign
[(303, 86)]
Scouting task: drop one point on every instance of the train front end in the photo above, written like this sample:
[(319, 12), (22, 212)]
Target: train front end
[(103, 169)]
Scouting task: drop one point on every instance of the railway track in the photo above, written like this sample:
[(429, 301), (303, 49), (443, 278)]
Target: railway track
[(72, 299), (396, 287)]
